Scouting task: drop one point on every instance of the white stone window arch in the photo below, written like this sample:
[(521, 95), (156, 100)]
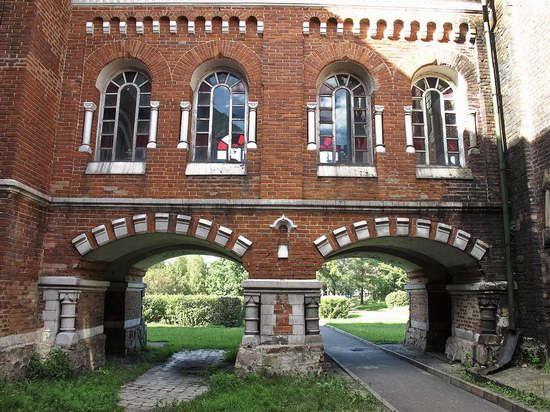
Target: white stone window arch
[(220, 117), (345, 135), (438, 117), (125, 117)]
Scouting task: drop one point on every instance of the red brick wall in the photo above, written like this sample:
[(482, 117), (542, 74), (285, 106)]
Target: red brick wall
[(526, 93)]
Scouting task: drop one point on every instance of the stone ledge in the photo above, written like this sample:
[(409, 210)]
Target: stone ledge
[(115, 168), (59, 282), (346, 171), (439, 172), (282, 284), (498, 286)]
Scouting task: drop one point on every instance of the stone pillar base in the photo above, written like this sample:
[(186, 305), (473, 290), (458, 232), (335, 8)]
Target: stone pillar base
[(281, 327), (281, 359)]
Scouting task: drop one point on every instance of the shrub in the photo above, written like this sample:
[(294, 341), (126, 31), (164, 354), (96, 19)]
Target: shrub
[(397, 298), (193, 310), (334, 307), (56, 366)]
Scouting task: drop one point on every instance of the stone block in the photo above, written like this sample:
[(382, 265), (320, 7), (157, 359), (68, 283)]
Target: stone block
[(203, 228), (402, 224), (423, 228), (297, 319), (140, 224), (298, 310), (161, 222), (120, 228), (443, 232), (101, 235), (268, 299), (298, 330), (267, 319), (382, 225), (323, 245), (296, 299), (361, 230), (342, 236), (182, 224), (461, 239)]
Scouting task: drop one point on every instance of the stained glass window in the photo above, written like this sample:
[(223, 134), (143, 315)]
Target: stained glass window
[(435, 130), (124, 124), (344, 121), (220, 118)]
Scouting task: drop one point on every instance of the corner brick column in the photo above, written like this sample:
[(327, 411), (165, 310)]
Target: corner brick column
[(280, 337), (480, 321), (124, 326)]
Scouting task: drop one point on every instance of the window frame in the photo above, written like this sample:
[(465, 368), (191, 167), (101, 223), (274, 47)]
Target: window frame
[(443, 112), (352, 135), (195, 116), (101, 120)]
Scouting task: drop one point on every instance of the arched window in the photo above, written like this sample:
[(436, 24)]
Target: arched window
[(220, 125), (344, 121), (124, 122), (435, 128)]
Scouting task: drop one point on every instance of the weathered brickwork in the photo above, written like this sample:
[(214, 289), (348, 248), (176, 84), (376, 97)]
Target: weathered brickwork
[(61, 227), (525, 94)]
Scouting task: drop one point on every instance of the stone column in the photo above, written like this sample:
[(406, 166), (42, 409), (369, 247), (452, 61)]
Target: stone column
[(252, 109), (288, 339), (89, 108), (311, 135), (153, 125), (408, 130), (379, 129), (67, 325), (185, 107)]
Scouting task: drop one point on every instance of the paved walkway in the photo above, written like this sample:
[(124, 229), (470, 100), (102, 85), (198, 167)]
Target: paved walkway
[(174, 381), (405, 387)]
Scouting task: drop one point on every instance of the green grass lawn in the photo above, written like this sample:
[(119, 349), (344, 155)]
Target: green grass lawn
[(257, 393), (178, 338), (375, 325), (98, 391)]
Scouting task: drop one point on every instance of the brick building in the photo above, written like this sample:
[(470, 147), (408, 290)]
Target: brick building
[(275, 134)]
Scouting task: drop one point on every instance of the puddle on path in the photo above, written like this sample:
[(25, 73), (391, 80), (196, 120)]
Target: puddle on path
[(173, 381)]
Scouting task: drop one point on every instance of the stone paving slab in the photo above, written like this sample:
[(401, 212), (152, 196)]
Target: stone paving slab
[(175, 380)]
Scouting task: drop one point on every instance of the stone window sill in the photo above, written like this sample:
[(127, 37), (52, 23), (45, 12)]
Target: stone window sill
[(345, 171), (215, 169), (442, 172), (115, 168)]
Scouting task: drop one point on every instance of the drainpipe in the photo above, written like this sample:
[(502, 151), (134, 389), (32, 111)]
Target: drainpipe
[(501, 142)]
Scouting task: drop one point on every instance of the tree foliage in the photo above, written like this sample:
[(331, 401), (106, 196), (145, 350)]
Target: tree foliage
[(367, 277), (192, 275)]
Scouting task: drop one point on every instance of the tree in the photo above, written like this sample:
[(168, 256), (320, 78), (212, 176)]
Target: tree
[(169, 279), (366, 276), (225, 277)]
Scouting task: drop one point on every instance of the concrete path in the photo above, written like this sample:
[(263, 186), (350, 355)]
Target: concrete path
[(405, 387), (175, 380)]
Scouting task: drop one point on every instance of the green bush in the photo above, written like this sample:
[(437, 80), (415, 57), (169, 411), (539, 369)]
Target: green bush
[(56, 366), (334, 307), (193, 310), (398, 298)]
